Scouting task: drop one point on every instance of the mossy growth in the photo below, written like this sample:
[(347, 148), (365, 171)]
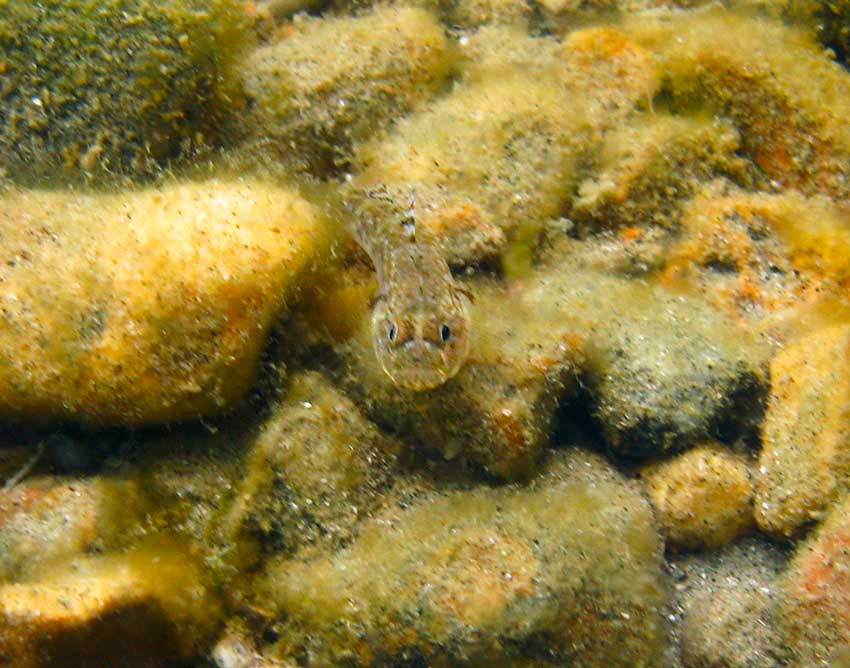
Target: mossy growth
[(339, 80), (564, 571), (111, 86), (785, 96)]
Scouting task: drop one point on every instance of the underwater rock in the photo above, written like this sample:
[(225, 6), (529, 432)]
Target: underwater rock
[(475, 13), (813, 610), (665, 372), (629, 252), (237, 650), (144, 307), (787, 98), (760, 256), (337, 80), (44, 520), (142, 609), (190, 471), (119, 87), (647, 168), (729, 628), (609, 71), (828, 21), (317, 468), (492, 48), (730, 253), (702, 498), (509, 137), (505, 144), (567, 569), (566, 7), (803, 465), (725, 599)]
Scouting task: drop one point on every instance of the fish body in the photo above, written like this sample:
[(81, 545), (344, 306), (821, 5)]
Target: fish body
[(420, 320)]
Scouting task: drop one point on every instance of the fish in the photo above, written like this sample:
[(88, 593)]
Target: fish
[(421, 315)]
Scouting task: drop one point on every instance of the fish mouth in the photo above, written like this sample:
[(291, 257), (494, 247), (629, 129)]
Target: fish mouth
[(418, 379)]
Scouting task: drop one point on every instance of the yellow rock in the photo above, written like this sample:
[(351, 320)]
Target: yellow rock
[(510, 136), (609, 69), (45, 521), (789, 100), (757, 254), (813, 608), (702, 498), (472, 13), (334, 80), (144, 307), (144, 609), (805, 458), (572, 558), (645, 170), (506, 143)]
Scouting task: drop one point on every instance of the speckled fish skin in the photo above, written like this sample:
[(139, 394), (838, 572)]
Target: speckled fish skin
[(420, 321)]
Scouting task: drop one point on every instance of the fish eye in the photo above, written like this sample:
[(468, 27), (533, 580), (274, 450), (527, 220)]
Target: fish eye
[(445, 333), (392, 332)]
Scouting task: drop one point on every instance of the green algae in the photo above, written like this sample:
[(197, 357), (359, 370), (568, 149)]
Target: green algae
[(112, 87)]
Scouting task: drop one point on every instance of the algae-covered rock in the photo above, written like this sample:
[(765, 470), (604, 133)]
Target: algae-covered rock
[(46, 521), (647, 168), (111, 87), (728, 252), (493, 48), (788, 99), (730, 628), (474, 13), (338, 80), (758, 255), (148, 306), (805, 462), (829, 21), (726, 598), (509, 138), (702, 498), (813, 609), (147, 608), (506, 143), (564, 570), (609, 71), (665, 372), (317, 468)]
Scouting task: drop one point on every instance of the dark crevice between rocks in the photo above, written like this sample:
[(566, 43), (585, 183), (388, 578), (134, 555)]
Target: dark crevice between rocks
[(736, 421)]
